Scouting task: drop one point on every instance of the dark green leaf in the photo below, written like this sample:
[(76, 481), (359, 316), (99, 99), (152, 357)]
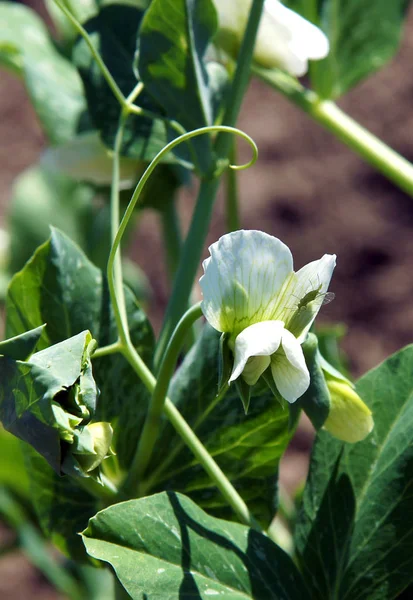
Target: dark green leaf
[(355, 533), (52, 82), (247, 447), (27, 390), (172, 43), (114, 32), (363, 36), (175, 550), (62, 288), (21, 346)]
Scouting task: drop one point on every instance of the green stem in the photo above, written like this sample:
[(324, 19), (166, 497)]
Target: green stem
[(241, 76), (331, 117), (115, 278), (106, 492), (153, 418), (192, 441), (188, 266), (195, 241), (107, 350), (104, 70), (171, 236), (232, 209), (201, 453)]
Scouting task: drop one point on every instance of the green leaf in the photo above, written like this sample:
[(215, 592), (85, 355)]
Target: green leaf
[(40, 199), (173, 40), (52, 82), (61, 287), (28, 390), (363, 36), (175, 550), (248, 447), (114, 32), (21, 346), (12, 470), (355, 533)]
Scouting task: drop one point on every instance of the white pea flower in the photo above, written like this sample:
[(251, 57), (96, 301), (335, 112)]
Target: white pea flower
[(251, 292), (285, 39)]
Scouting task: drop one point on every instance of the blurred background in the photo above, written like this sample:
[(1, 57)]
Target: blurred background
[(307, 189)]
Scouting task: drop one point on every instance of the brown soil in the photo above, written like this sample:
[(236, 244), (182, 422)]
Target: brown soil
[(309, 190)]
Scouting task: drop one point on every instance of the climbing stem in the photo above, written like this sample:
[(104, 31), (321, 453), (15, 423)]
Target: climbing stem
[(151, 427), (331, 117), (103, 68)]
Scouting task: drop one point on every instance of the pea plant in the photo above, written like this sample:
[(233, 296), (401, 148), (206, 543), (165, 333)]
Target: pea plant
[(152, 464)]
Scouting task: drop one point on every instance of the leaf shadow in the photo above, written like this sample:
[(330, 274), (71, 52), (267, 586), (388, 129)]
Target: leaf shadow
[(262, 560)]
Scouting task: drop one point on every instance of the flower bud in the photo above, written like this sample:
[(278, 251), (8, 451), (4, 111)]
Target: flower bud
[(349, 418), (93, 445)]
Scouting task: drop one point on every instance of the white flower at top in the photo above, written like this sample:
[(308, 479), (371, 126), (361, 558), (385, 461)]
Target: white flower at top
[(251, 292), (285, 39)]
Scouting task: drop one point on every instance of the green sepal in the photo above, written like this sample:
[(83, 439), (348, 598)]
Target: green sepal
[(20, 347), (225, 362), (244, 391), (316, 400)]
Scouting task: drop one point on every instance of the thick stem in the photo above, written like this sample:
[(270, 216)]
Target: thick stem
[(194, 244), (331, 117), (151, 427)]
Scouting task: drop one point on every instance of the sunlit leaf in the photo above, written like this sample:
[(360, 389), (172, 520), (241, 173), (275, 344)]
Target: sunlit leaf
[(176, 550)]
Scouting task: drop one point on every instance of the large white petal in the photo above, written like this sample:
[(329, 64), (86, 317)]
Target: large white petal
[(243, 278), (287, 40), (315, 277), (261, 339), (288, 368)]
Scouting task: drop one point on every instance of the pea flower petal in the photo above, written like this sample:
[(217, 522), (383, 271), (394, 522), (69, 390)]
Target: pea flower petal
[(252, 293), (285, 39), (288, 368), (243, 279), (258, 340), (310, 282)]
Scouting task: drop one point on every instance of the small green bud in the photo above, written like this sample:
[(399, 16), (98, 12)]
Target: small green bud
[(349, 418), (94, 445)]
